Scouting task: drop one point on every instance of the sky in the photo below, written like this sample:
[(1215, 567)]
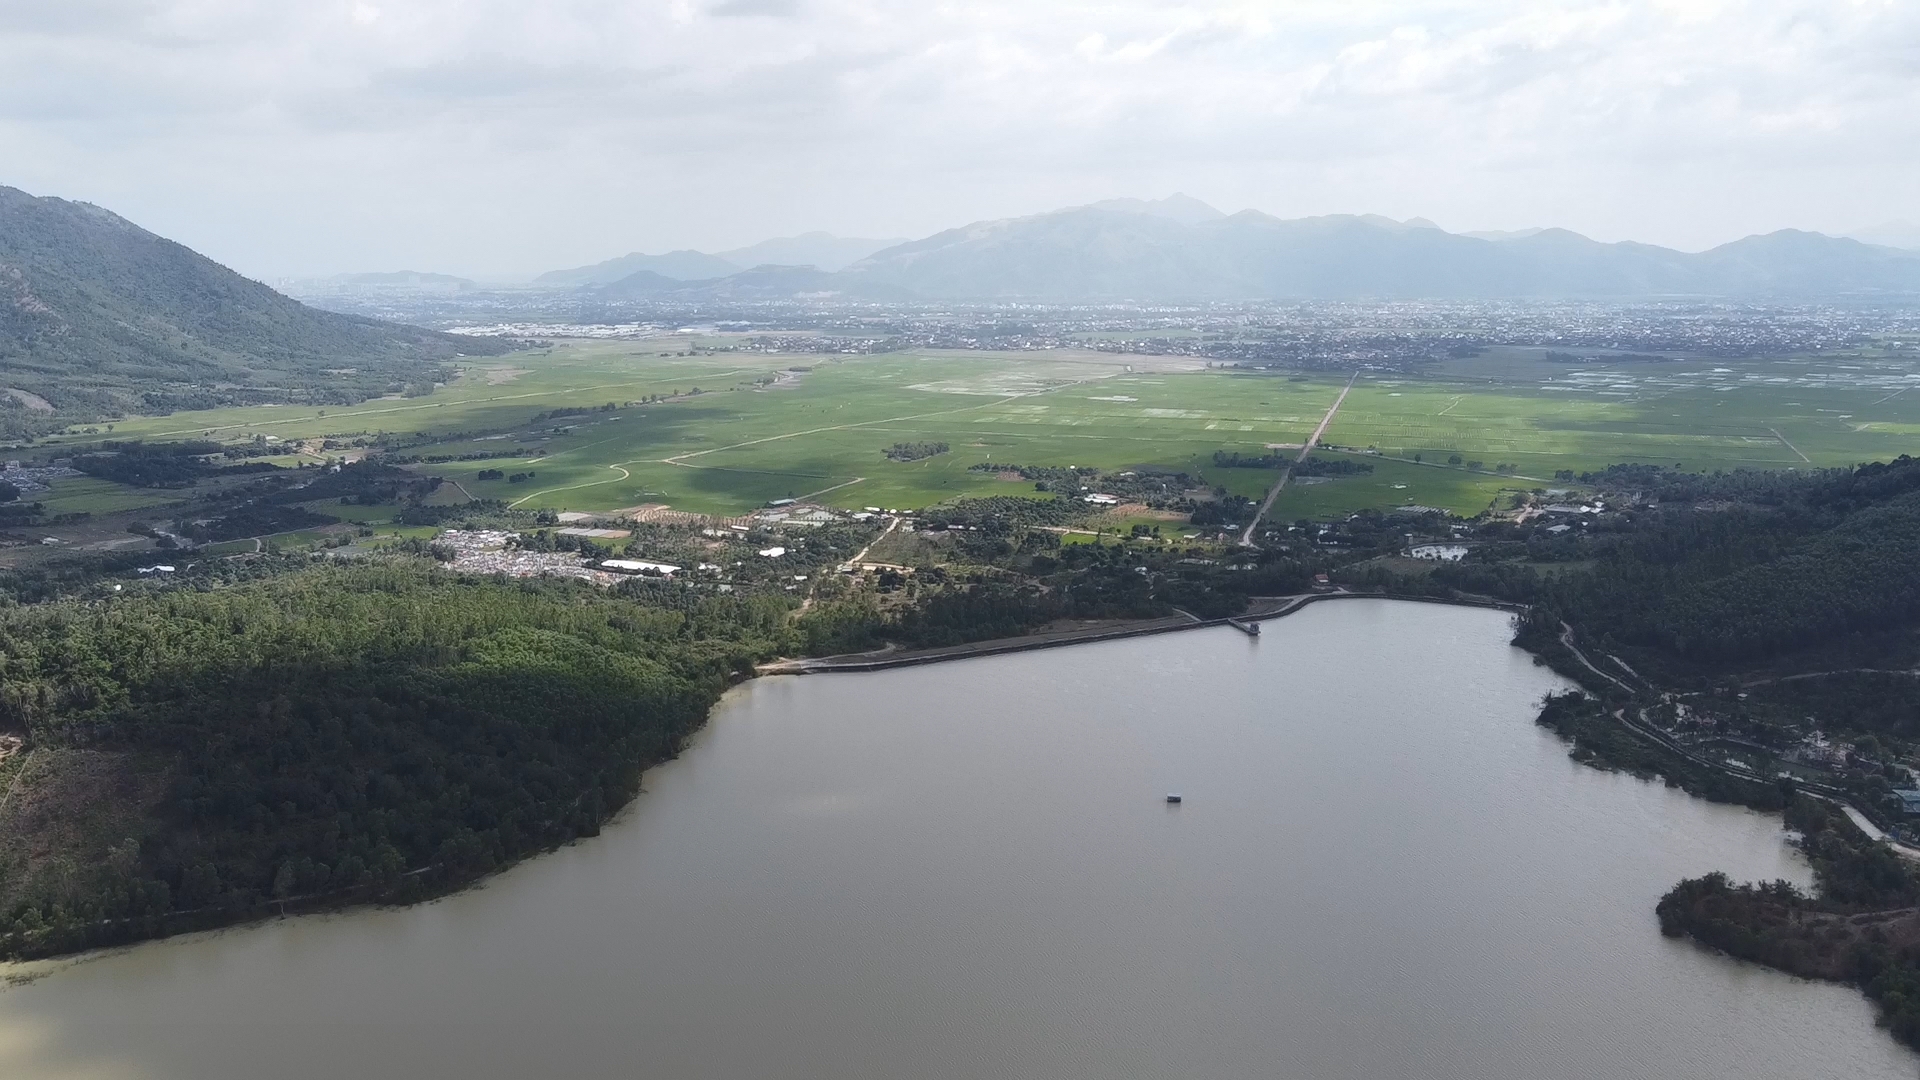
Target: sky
[(500, 138)]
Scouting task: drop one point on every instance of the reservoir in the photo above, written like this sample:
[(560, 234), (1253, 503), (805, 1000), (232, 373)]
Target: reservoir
[(1381, 869)]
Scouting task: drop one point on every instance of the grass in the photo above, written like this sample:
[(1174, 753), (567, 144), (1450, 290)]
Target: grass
[(294, 540), (1699, 415), (738, 445), (89, 494), (353, 512), (1392, 483)]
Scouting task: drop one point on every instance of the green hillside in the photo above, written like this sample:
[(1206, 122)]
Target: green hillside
[(100, 317)]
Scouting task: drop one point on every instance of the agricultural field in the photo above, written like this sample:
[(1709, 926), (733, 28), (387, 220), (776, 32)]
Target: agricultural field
[(1542, 417), (764, 426), (1392, 483), (92, 495)]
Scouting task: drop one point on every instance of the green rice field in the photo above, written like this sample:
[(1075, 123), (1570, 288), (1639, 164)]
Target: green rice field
[(759, 430), (92, 495)]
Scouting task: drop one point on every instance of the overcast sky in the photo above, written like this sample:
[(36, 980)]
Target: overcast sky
[(503, 137)]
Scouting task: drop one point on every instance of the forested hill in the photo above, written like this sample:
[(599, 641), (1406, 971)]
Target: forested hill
[(98, 315), (328, 736), (1754, 570)]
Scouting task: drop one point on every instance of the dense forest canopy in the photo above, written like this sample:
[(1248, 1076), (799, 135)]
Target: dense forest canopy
[(377, 731), (1731, 571)]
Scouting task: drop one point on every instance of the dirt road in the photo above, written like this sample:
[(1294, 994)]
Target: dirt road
[(1246, 538)]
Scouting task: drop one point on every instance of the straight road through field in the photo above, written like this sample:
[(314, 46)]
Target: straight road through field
[(1246, 538), (836, 487), (1790, 446)]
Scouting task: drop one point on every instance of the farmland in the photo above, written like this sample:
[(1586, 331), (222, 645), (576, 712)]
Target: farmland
[(702, 428)]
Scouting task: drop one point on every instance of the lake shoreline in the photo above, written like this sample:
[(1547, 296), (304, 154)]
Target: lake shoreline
[(433, 882), (966, 866), (1265, 609)]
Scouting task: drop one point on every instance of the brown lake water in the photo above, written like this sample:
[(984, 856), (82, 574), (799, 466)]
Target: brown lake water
[(1382, 870)]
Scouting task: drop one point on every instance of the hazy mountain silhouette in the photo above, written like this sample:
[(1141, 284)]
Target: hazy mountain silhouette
[(639, 285), (817, 249), (1179, 248), (1178, 206), (1503, 234), (1102, 252), (760, 283), (683, 265)]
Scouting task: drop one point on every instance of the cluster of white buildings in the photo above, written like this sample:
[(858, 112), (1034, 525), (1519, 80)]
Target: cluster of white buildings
[(490, 551)]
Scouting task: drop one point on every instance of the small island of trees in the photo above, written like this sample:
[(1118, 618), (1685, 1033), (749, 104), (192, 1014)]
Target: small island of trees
[(916, 451)]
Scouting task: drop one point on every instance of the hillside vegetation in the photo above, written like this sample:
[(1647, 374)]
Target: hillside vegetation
[(331, 735), (100, 317), (1819, 563)]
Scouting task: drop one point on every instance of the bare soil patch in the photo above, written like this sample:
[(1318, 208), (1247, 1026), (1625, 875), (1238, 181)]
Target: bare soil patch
[(70, 813), (1134, 511), (30, 400)]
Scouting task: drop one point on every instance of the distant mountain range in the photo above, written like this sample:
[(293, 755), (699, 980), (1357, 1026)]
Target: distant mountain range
[(818, 250), (1180, 249), (98, 315), (1099, 252), (759, 283), (685, 265), (822, 251)]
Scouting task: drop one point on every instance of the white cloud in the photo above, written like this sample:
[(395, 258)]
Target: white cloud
[(488, 135)]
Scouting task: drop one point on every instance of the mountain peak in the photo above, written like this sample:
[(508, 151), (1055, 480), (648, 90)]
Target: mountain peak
[(1498, 235), (1178, 206)]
